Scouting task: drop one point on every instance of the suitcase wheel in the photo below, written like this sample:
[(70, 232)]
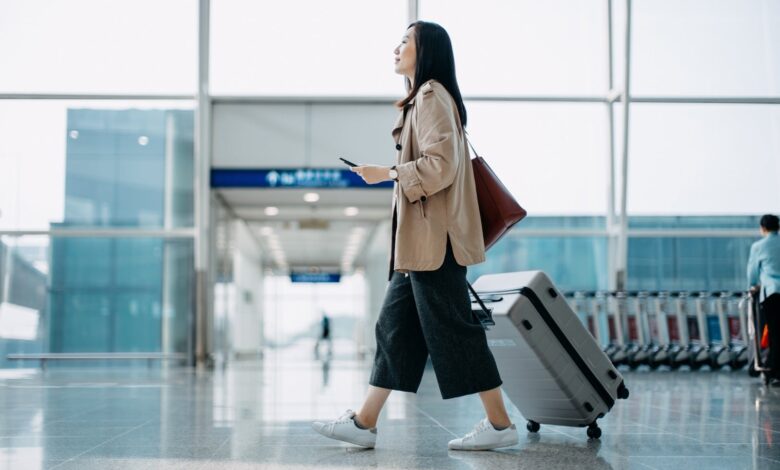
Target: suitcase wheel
[(622, 391), (594, 431), (533, 426)]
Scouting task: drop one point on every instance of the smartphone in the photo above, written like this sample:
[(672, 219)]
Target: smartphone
[(347, 162)]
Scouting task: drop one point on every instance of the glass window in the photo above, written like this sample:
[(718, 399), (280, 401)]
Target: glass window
[(692, 222), (94, 46), (704, 159), (573, 263), (108, 164), (688, 264), (705, 47), (552, 156), (526, 47), (94, 295), (340, 47)]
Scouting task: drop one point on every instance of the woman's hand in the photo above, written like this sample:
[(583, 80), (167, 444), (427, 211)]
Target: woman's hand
[(372, 174)]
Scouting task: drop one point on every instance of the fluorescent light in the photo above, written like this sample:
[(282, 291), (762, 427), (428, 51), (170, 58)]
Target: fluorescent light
[(351, 211), (311, 197), (271, 211)]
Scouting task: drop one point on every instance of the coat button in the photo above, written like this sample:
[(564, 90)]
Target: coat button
[(398, 146), (423, 198)]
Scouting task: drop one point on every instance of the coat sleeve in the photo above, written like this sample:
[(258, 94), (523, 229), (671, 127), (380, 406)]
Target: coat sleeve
[(753, 266), (437, 137)]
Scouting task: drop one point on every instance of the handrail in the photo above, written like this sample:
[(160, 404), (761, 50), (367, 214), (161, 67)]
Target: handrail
[(43, 357), (86, 355)]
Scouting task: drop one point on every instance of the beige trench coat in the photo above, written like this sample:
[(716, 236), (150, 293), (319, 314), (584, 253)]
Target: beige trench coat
[(435, 196)]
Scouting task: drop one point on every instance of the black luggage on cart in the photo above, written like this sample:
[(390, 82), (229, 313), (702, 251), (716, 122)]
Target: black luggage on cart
[(756, 322)]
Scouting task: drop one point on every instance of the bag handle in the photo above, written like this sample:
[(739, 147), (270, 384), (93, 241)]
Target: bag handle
[(468, 141), (487, 319)]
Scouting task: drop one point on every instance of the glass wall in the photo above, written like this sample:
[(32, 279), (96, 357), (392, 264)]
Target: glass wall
[(75, 294), (93, 46), (526, 47), (128, 168), (705, 48), (305, 47), (96, 176), (713, 159), (655, 262), (95, 164)]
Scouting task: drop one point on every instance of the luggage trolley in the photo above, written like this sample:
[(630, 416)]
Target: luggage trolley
[(732, 328), (615, 312), (581, 306), (638, 349), (676, 312), (659, 343), (712, 331), (697, 332), (598, 318)]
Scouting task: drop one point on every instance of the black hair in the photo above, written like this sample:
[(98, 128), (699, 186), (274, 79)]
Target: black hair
[(435, 60), (770, 223)]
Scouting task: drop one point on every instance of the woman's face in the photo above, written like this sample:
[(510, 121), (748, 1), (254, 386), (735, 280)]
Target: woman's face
[(406, 55)]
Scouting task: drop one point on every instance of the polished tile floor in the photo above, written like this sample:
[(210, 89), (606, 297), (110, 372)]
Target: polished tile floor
[(256, 415)]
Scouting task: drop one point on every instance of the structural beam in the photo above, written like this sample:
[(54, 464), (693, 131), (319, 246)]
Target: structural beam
[(203, 283), (622, 258)]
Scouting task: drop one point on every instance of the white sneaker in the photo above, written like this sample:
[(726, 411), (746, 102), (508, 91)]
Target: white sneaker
[(345, 429), (485, 437)]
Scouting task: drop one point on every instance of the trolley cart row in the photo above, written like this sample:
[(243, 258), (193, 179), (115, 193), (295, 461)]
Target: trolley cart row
[(672, 329)]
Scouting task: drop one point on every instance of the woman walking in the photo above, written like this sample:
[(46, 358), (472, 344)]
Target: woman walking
[(436, 234)]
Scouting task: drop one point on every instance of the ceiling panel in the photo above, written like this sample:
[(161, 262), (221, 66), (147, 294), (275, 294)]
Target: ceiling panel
[(310, 234)]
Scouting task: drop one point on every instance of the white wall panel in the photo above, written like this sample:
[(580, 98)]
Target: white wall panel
[(259, 135), (359, 133)]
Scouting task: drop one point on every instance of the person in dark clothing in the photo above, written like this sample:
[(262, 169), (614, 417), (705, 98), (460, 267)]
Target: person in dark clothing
[(324, 337)]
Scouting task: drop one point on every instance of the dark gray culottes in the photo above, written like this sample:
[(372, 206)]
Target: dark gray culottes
[(429, 312)]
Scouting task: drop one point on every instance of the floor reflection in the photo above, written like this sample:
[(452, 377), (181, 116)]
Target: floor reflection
[(259, 412)]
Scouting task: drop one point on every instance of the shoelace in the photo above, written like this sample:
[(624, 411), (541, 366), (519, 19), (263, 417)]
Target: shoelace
[(345, 418), (483, 426)]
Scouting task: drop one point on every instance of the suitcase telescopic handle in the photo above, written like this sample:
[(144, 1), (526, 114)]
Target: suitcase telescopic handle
[(487, 319)]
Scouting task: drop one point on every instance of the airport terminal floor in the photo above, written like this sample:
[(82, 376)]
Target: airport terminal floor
[(257, 414)]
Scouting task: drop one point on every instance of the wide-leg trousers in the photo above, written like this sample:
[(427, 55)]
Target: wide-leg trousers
[(429, 313)]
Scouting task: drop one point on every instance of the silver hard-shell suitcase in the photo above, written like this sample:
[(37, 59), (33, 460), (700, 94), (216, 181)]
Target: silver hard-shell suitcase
[(552, 368)]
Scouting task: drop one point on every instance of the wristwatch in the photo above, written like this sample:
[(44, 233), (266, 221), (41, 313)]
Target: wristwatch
[(393, 174)]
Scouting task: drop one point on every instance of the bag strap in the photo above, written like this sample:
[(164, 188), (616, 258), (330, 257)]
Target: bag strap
[(488, 314), (468, 141)]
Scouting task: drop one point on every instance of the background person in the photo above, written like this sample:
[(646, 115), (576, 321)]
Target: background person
[(764, 271)]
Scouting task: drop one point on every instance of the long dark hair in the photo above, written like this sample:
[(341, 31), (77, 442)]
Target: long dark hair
[(435, 60)]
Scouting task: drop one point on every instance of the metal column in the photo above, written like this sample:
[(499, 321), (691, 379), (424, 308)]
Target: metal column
[(203, 284), (622, 258), (611, 216)]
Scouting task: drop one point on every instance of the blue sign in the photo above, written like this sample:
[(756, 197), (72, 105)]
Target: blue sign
[(290, 178), (315, 277)]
